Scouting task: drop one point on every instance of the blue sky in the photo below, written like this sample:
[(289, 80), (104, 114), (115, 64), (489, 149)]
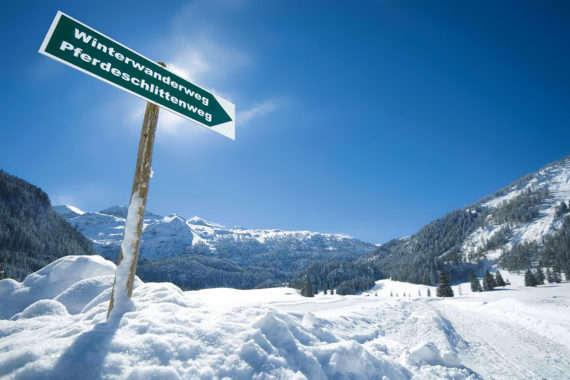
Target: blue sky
[(366, 118)]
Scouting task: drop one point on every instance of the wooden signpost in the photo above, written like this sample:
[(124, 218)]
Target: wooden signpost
[(83, 48), (140, 191)]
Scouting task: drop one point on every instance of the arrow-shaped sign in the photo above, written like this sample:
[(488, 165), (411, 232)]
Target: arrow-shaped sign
[(81, 47)]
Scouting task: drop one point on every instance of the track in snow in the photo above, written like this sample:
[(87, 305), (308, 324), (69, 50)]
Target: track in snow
[(484, 344), (502, 350)]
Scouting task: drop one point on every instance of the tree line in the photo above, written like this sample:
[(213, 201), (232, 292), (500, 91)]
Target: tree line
[(31, 234), (346, 277), (552, 252)]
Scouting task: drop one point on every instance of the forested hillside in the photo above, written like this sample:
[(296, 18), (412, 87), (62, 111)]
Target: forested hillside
[(31, 234), (514, 228), (553, 252), (241, 265), (195, 271), (521, 226)]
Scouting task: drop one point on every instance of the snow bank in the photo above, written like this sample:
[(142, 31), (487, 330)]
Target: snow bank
[(53, 280), (280, 345), (42, 308), (61, 331), (169, 334), (431, 364), (78, 295)]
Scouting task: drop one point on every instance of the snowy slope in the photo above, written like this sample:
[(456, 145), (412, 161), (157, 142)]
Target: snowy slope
[(173, 235), (508, 228), (555, 178), (58, 331)]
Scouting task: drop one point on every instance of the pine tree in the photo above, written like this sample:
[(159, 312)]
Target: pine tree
[(499, 279), (488, 282), (307, 289), (539, 274), (529, 279), (557, 272), (444, 288), (549, 276), (3, 271), (475, 284)]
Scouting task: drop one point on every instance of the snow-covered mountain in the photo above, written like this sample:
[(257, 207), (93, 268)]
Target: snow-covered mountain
[(499, 229), (525, 222), (169, 236), (540, 195)]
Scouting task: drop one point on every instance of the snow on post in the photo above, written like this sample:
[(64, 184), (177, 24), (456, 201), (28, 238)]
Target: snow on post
[(128, 256), (124, 276)]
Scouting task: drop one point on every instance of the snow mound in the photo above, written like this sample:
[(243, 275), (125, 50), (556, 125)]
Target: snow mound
[(78, 295), (429, 363), (169, 334), (73, 281), (40, 309), (427, 353), (281, 344), (9, 286), (64, 272)]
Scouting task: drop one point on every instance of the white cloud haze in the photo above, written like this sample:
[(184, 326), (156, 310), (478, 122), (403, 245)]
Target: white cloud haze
[(258, 110)]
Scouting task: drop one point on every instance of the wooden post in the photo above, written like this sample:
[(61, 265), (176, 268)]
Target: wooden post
[(135, 215)]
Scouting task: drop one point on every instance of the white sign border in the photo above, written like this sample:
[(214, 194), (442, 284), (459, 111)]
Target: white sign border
[(226, 129)]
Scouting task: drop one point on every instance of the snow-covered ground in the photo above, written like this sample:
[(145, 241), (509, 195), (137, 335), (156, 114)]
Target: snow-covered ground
[(53, 326)]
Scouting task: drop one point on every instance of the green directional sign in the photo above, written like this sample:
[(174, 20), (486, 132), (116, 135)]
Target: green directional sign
[(81, 47)]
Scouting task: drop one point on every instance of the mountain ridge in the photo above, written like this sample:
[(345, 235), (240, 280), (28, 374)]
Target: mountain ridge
[(524, 212), (195, 253), (104, 228), (518, 227), (476, 237)]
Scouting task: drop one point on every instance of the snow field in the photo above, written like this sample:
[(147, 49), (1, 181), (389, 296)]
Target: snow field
[(171, 334), (54, 327)]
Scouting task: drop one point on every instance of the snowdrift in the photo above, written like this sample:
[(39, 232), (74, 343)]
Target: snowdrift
[(53, 326)]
